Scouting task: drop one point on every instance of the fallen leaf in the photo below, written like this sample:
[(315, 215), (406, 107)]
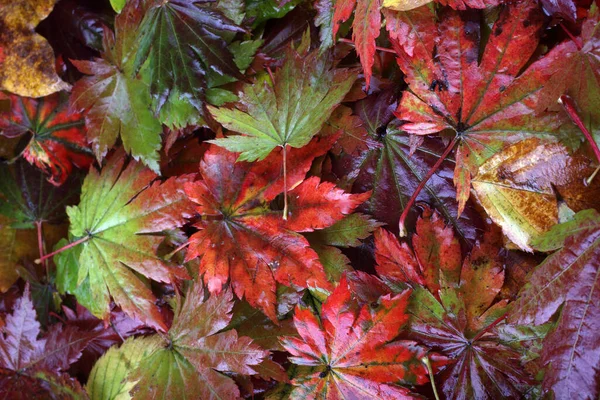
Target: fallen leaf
[(568, 282), (58, 138), (484, 98), (352, 349), (289, 112), (26, 58), (242, 239), (119, 208)]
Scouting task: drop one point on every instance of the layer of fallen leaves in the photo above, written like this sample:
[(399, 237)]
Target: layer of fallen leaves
[(202, 199)]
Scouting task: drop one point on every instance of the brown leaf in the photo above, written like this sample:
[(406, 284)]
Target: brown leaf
[(26, 58)]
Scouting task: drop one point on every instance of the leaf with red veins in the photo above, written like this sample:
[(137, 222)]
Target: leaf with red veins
[(482, 97), (58, 141), (351, 349), (455, 310), (569, 281), (241, 239), (318, 205)]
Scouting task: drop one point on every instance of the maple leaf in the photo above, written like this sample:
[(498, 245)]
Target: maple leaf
[(484, 102), (26, 58), (289, 112), (58, 139), (351, 349), (567, 282), (38, 361), (453, 308), (240, 238), (116, 103), (190, 360), (179, 33), (120, 206), (392, 173)]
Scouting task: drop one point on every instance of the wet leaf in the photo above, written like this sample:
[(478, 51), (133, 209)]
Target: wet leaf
[(26, 58)]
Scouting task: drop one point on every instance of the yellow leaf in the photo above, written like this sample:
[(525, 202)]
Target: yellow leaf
[(404, 5), (515, 188), (26, 58)]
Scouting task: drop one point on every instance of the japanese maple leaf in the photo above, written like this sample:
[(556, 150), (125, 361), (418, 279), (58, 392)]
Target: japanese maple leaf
[(118, 104), (486, 103), (366, 25), (290, 112), (182, 41), (111, 231), (387, 167), (38, 362), (241, 239), (567, 282), (352, 349), (58, 139), (26, 58), (191, 360), (453, 308)]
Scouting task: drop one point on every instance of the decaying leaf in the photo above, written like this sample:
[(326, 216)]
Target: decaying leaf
[(32, 366), (26, 58), (188, 362), (117, 104)]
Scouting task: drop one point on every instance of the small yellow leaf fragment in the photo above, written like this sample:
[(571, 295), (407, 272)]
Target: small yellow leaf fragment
[(26, 58), (404, 5)]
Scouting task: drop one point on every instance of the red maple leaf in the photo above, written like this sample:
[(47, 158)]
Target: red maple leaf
[(242, 239), (484, 99), (454, 308), (352, 349), (58, 139)]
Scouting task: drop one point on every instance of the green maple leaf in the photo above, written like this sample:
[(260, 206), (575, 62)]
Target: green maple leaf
[(182, 41), (117, 103), (290, 112), (120, 207)]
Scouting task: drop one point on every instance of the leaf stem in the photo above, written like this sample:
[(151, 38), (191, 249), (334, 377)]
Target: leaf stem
[(430, 173), (425, 360), (171, 254), (384, 49), (285, 196), (66, 247), (589, 180), (573, 38), (570, 107), (40, 239)]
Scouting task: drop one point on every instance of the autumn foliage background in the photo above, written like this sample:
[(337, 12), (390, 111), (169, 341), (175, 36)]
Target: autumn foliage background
[(306, 199)]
